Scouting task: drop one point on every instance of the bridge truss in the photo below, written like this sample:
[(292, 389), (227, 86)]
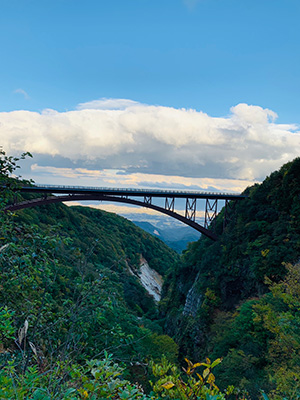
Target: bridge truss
[(139, 197)]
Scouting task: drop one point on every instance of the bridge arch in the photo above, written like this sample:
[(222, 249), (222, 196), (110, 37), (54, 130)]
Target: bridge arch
[(119, 199)]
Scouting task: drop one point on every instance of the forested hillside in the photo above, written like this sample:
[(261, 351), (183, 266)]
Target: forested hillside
[(67, 285), (239, 297), (87, 247)]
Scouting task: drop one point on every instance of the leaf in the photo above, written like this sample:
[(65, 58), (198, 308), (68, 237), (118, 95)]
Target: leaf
[(69, 391), (4, 247), (33, 348), (229, 390), (190, 364), (216, 362), (168, 385), (204, 365), (206, 372), (20, 335), (25, 327), (211, 379), (198, 365)]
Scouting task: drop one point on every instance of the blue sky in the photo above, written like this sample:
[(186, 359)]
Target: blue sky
[(180, 94), (209, 55)]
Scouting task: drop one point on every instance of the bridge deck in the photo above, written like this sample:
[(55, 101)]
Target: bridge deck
[(59, 189)]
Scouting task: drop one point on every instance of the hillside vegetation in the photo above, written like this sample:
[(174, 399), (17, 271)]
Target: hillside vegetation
[(65, 275), (239, 297), (75, 323)]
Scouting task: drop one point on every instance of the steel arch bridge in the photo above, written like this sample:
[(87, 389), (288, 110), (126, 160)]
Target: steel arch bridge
[(138, 197)]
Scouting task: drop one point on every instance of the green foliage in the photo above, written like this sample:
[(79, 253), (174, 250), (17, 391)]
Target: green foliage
[(7, 330), (110, 242), (72, 290), (170, 383), (106, 382), (103, 379), (69, 290), (280, 316), (100, 379), (8, 180), (232, 309), (154, 345)]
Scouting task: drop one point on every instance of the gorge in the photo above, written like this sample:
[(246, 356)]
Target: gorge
[(75, 273)]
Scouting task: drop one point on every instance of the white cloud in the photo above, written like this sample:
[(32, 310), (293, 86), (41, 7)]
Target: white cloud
[(121, 134), (107, 104), (23, 92)]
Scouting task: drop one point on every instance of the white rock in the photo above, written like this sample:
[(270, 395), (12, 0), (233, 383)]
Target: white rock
[(151, 280)]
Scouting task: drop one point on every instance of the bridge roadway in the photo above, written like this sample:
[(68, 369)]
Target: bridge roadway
[(129, 195), (60, 189)]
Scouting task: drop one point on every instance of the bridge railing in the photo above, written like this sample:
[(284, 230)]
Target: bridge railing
[(137, 190)]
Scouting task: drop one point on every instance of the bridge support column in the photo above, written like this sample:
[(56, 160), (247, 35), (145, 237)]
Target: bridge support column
[(169, 204), (190, 209), (211, 208), (148, 199)]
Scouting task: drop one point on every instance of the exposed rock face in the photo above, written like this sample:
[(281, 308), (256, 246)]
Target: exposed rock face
[(193, 301), (151, 280)]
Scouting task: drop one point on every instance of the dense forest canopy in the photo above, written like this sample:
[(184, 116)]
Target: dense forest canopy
[(239, 297)]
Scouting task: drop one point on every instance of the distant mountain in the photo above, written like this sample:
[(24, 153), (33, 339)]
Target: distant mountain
[(176, 237), (148, 227)]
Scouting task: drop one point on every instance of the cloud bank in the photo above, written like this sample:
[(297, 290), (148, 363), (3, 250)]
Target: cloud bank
[(121, 134)]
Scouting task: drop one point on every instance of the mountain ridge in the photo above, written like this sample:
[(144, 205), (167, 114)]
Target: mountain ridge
[(177, 238)]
